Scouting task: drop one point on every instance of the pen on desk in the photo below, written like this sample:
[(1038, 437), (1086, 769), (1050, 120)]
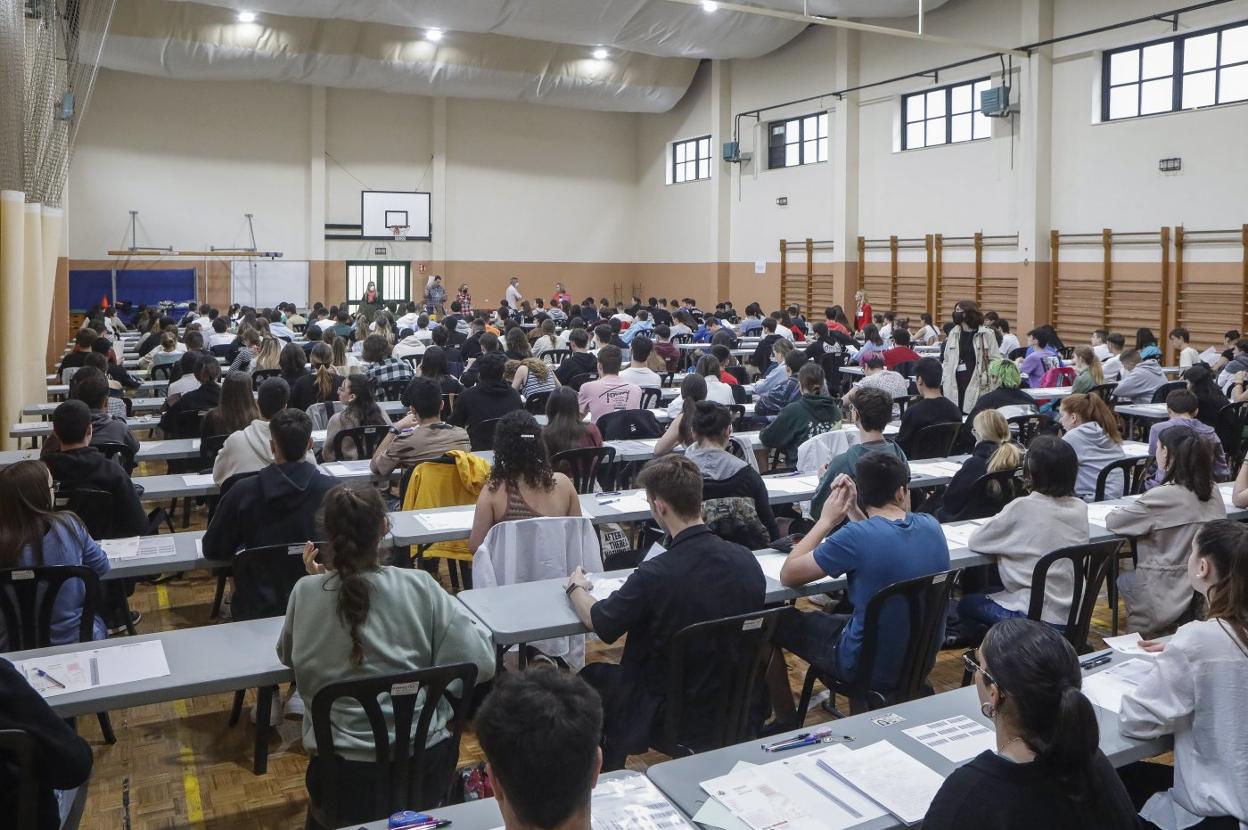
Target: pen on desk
[(1096, 661), (609, 493), (44, 674)]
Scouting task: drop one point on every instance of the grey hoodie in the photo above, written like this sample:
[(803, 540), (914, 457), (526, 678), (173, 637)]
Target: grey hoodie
[(1140, 383), (247, 451), (1095, 450), (717, 465)]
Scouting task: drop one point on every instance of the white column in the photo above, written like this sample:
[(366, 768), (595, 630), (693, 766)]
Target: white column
[(843, 169), (1034, 94), (720, 251), (316, 175), (438, 201)]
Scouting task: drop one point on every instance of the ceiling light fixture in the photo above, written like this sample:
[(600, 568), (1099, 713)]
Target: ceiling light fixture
[(246, 17), (710, 6), (433, 35), (601, 54)]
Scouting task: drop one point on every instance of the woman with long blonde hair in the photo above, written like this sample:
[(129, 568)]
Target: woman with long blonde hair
[(269, 356), (1088, 370), (994, 451)]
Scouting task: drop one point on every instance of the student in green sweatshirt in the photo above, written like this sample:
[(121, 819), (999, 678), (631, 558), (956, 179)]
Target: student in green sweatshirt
[(814, 412)]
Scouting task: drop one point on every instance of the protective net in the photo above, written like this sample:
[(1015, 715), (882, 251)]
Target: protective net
[(49, 54)]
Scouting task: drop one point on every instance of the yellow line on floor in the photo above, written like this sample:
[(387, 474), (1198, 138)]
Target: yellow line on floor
[(186, 755)]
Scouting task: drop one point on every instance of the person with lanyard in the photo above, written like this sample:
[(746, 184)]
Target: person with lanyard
[(862, 314), (969, 351), (1047, 770)]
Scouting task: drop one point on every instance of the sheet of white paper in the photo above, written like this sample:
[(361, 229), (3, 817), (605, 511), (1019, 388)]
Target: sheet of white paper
[(148, 446), (201, 480), (714, 814), (896, 781), (457, 520), (824, 794), (958, 738), (635, 503), (1106, 688), (131, 662), (151, 547), (634, 803), (934, 469), (318, 436), (792, 484), (1227, 490), (121, 548), (1134, 448), (87, 669), (959, 535), (1098, 511), (199, 546), (761, 802), (771, 565), (654, 551), (1127, 643), (604, 586)]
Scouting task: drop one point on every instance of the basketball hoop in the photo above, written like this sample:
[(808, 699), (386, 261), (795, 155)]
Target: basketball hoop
[(400, 232)]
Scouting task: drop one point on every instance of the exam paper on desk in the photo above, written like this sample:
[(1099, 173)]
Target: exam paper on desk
[(635, 503), (91, 668), (792, 484), (458, 520), (958, 738), (1106, 688), (201, 480), (898, 782)]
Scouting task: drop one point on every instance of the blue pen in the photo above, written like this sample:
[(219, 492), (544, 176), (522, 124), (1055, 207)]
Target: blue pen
[(47, 676)]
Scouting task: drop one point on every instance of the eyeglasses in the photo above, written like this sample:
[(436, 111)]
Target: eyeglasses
[(969, 662)]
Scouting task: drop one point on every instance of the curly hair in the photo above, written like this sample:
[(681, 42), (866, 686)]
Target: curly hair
[(520, 453)]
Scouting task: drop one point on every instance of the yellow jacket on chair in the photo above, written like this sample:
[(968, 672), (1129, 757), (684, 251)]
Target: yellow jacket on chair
[(437, 484)]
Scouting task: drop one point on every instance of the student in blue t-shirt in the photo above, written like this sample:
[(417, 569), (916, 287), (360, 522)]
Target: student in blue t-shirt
[(888, 544)]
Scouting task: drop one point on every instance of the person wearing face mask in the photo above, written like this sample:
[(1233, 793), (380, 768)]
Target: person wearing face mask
[(698, 577), (1047, 770), (969, 349), (1195, 692)]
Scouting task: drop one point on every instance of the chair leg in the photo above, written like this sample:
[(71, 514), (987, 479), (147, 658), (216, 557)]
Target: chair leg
[(1111, 594), (465, 575), (264, 705), (187, 501), (236, 710), (106, 727), (808, 688), (454, 574), (218, 596)]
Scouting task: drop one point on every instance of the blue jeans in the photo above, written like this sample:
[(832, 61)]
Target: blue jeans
[(981, 609)]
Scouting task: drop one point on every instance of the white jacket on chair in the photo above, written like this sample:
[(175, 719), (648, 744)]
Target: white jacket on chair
[(528, 550)]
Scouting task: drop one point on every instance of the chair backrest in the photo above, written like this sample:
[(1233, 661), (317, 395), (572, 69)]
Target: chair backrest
[(17, 749), (990, 493), (737, 410), (1015, 354), (536, 403), (259, 376), (263, 579), (582, 465), (223, 350), (67, 374), (118, 452), (1134, 471), (556, 356), (187, 423), (1232, 421), (1104, 391), (579, 379), (934, 441), (629, 424), (741, 646), (399, 771), (391, 390), (164, 371), (320, 413), (739, 373), (906, 368), (481, 434), (1091, 564), (682, 338), (366, 439), (97, 509), (413, 360), (1028, 426), (210, 447), (128, 403), (28, 597), (739, 395), (1160, 393), (926, 599), (649, 398)]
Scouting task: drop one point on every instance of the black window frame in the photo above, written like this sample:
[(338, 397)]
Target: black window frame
[(777, 157), (1177, 73), (696, 161), (948, 116)]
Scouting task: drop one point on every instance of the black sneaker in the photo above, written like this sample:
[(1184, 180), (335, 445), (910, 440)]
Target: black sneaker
[(117, 630)]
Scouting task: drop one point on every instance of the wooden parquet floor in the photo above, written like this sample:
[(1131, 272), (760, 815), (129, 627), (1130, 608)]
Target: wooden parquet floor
[(180, 765)]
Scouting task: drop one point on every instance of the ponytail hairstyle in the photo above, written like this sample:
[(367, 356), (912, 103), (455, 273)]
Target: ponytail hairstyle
[(1085, 354), (1092, 408), (339, 345), (990, 425), (1036, 672), (363, 409), (1189, 461), (322, 359), (1225, 544), (355, 522), (692, 390), (710, 421)]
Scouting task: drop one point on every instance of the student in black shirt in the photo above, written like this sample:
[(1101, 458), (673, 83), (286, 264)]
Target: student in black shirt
[(662, 317), (1047, 770), (82, 345), (487, 344), (580, 362), (206, 396), (492, 397), (931, 408), (1006, 380), (699, 577), (470, 349)]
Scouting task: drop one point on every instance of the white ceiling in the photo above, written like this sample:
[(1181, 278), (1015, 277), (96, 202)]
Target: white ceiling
[(534, 50)]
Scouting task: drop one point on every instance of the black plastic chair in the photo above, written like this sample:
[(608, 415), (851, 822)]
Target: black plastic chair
[(1133, 470), (162, 372), (117, 451), (187, 423), (263, 579), (1091, 563), (989, 495), (17, 748), (583, 465), (1104, 391), (737, 650), (1015, 354), (481, 434), (364, 439), (555, 357), (682, 338), (413, 360), (1160, 393), (578, 380), (739, 395), (1028, 426), (927, 600), (399, 772), (27, 597), (737, 410), (259, 376), (739, 373), (536, 403), (649, 398), (934, 441), (391, 390), (629, 424), (223, 574), (448, 404), (128, 403), (1232, 421)]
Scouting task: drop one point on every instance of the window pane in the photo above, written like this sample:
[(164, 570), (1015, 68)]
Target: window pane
[(915, 110), (961, 127), (936, 103), (980, 87), (1158, 60), (914, 135), (961, 99), (680, 173), (793, 131), (823, 149), (1235, 45), (1198, 89), (1158, 96), (1124, 67), (1124, 101), (810, 151), (810, 127), (935, 131), (1233, 85), (823, 125), (704, 169), (704, 148), (1200, 52), (680, 153), (983, 126), (792, 155)]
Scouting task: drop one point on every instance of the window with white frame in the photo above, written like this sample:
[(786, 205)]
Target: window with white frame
[(690, 160), (946, 115), (1193, 70), (797, 141)]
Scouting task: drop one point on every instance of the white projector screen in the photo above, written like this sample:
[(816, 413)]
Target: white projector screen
[(263, 283), (382, 209)]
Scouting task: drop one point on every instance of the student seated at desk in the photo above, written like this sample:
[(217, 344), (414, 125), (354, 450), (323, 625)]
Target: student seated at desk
[(540, 732), (1092, 430), (534, 376), (1048, 771), (1195, 692), (1111, 367), (1163, 522), (1005, 380), (356, 393), (1049, 518), (62, 760), (421, 434), (775, 374), (1181, 341), (875, 374), (186, 376), (118, 377), (638, 370), (932, 407), (742, 509), (1208, 396), (291, 361), (610, 392), (1088, 371), (811, 414), (901, 352), (565, 428), (116, 406), (788, 390), (91, 388), (251, 448), (169, 352), (1182, 407), (699, 577), (716, 390), (870, 411), (34, 534), (206, 395), (321, 384), (994, 452), (491, 397), (236, 410), (1041, 357), (340, 625), (888, 544), (381, 366), (1140, 375), (82, 347), (522, 484)]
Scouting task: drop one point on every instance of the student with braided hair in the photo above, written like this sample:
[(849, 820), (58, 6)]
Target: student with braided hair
[(341, 624)]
